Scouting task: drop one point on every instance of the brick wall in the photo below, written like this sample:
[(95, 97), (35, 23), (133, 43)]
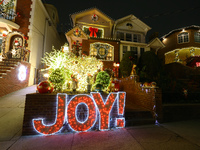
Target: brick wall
[(23, 8), (10, 82), (148, 98)]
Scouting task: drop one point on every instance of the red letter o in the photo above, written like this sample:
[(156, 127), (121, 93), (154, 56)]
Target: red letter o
[(74, 123)]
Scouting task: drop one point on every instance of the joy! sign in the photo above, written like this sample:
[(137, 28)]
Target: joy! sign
[(82, 112)]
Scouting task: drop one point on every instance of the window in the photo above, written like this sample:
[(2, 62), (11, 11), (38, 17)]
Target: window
[(134, 50), (137, 38), (183, 37), (128, 37), (120, 35), (141, 51), (102, 51), (129, 25), (125, 48), (197, 37), (94, 32)]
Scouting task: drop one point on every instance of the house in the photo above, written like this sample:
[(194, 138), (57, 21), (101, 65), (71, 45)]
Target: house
[(96, 34), (27, 31), (181, 45)]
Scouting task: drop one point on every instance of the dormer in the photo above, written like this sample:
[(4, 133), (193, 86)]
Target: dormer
[(93, 22)]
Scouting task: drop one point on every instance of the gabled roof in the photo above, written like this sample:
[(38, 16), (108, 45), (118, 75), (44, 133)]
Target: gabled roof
[(156, 43), (70, 32), (134, 19), (179, 29), (76, 15)]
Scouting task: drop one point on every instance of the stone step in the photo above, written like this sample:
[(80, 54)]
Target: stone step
[(12, 60), (9, 63), (6, 67), (3, 71), (2, 74)]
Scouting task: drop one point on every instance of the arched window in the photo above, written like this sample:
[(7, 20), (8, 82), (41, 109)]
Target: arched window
[(102, 51), (183, 37)]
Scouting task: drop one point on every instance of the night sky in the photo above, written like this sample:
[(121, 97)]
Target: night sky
[(161, 15)]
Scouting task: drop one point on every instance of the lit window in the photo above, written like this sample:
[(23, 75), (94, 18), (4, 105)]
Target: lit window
[(94, 32), (102, 51), (197, 37), (183, 37)]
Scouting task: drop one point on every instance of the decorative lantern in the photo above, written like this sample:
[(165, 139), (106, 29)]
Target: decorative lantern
[(45, 87)]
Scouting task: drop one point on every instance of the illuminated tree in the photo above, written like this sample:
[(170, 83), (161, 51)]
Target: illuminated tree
[(103, 79), (68, 64), (57, 78)]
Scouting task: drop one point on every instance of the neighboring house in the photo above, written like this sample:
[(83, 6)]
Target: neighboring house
[(181, 45), (96, 34), (27, 31), (132, 34)]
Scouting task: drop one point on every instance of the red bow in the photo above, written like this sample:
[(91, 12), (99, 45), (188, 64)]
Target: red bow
[(93, 31), (1, 2)]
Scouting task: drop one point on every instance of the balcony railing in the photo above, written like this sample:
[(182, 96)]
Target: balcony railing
[(19, 53), (7, 11)]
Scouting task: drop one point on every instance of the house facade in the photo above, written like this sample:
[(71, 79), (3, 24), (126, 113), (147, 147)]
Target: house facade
[(181, 45), (27, 31), (96, 34)]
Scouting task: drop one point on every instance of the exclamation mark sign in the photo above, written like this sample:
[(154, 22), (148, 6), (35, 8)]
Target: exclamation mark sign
[(120, 121)]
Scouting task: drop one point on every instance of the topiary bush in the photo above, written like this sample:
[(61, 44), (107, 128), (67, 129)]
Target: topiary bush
[(103, 79), (57, 78)]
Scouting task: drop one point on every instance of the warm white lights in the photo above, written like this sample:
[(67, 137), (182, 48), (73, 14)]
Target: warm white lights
[(46, 75), (66, 48)]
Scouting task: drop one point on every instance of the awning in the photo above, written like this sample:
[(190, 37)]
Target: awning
[(9, 25)]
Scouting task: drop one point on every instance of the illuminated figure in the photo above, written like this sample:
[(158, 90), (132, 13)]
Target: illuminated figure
[(133, 71), (74, 82)]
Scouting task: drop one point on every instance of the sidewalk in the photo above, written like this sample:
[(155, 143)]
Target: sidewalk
[(184, 135)]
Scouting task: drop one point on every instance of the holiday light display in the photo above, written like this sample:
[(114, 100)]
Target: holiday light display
[(198, 64), (98, 112), (69, 63), (74, 123), (39, 125), (45, 87), (22, 73)]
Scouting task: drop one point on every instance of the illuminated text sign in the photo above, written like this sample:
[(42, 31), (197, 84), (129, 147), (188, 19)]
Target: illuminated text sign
[(82, 112)]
